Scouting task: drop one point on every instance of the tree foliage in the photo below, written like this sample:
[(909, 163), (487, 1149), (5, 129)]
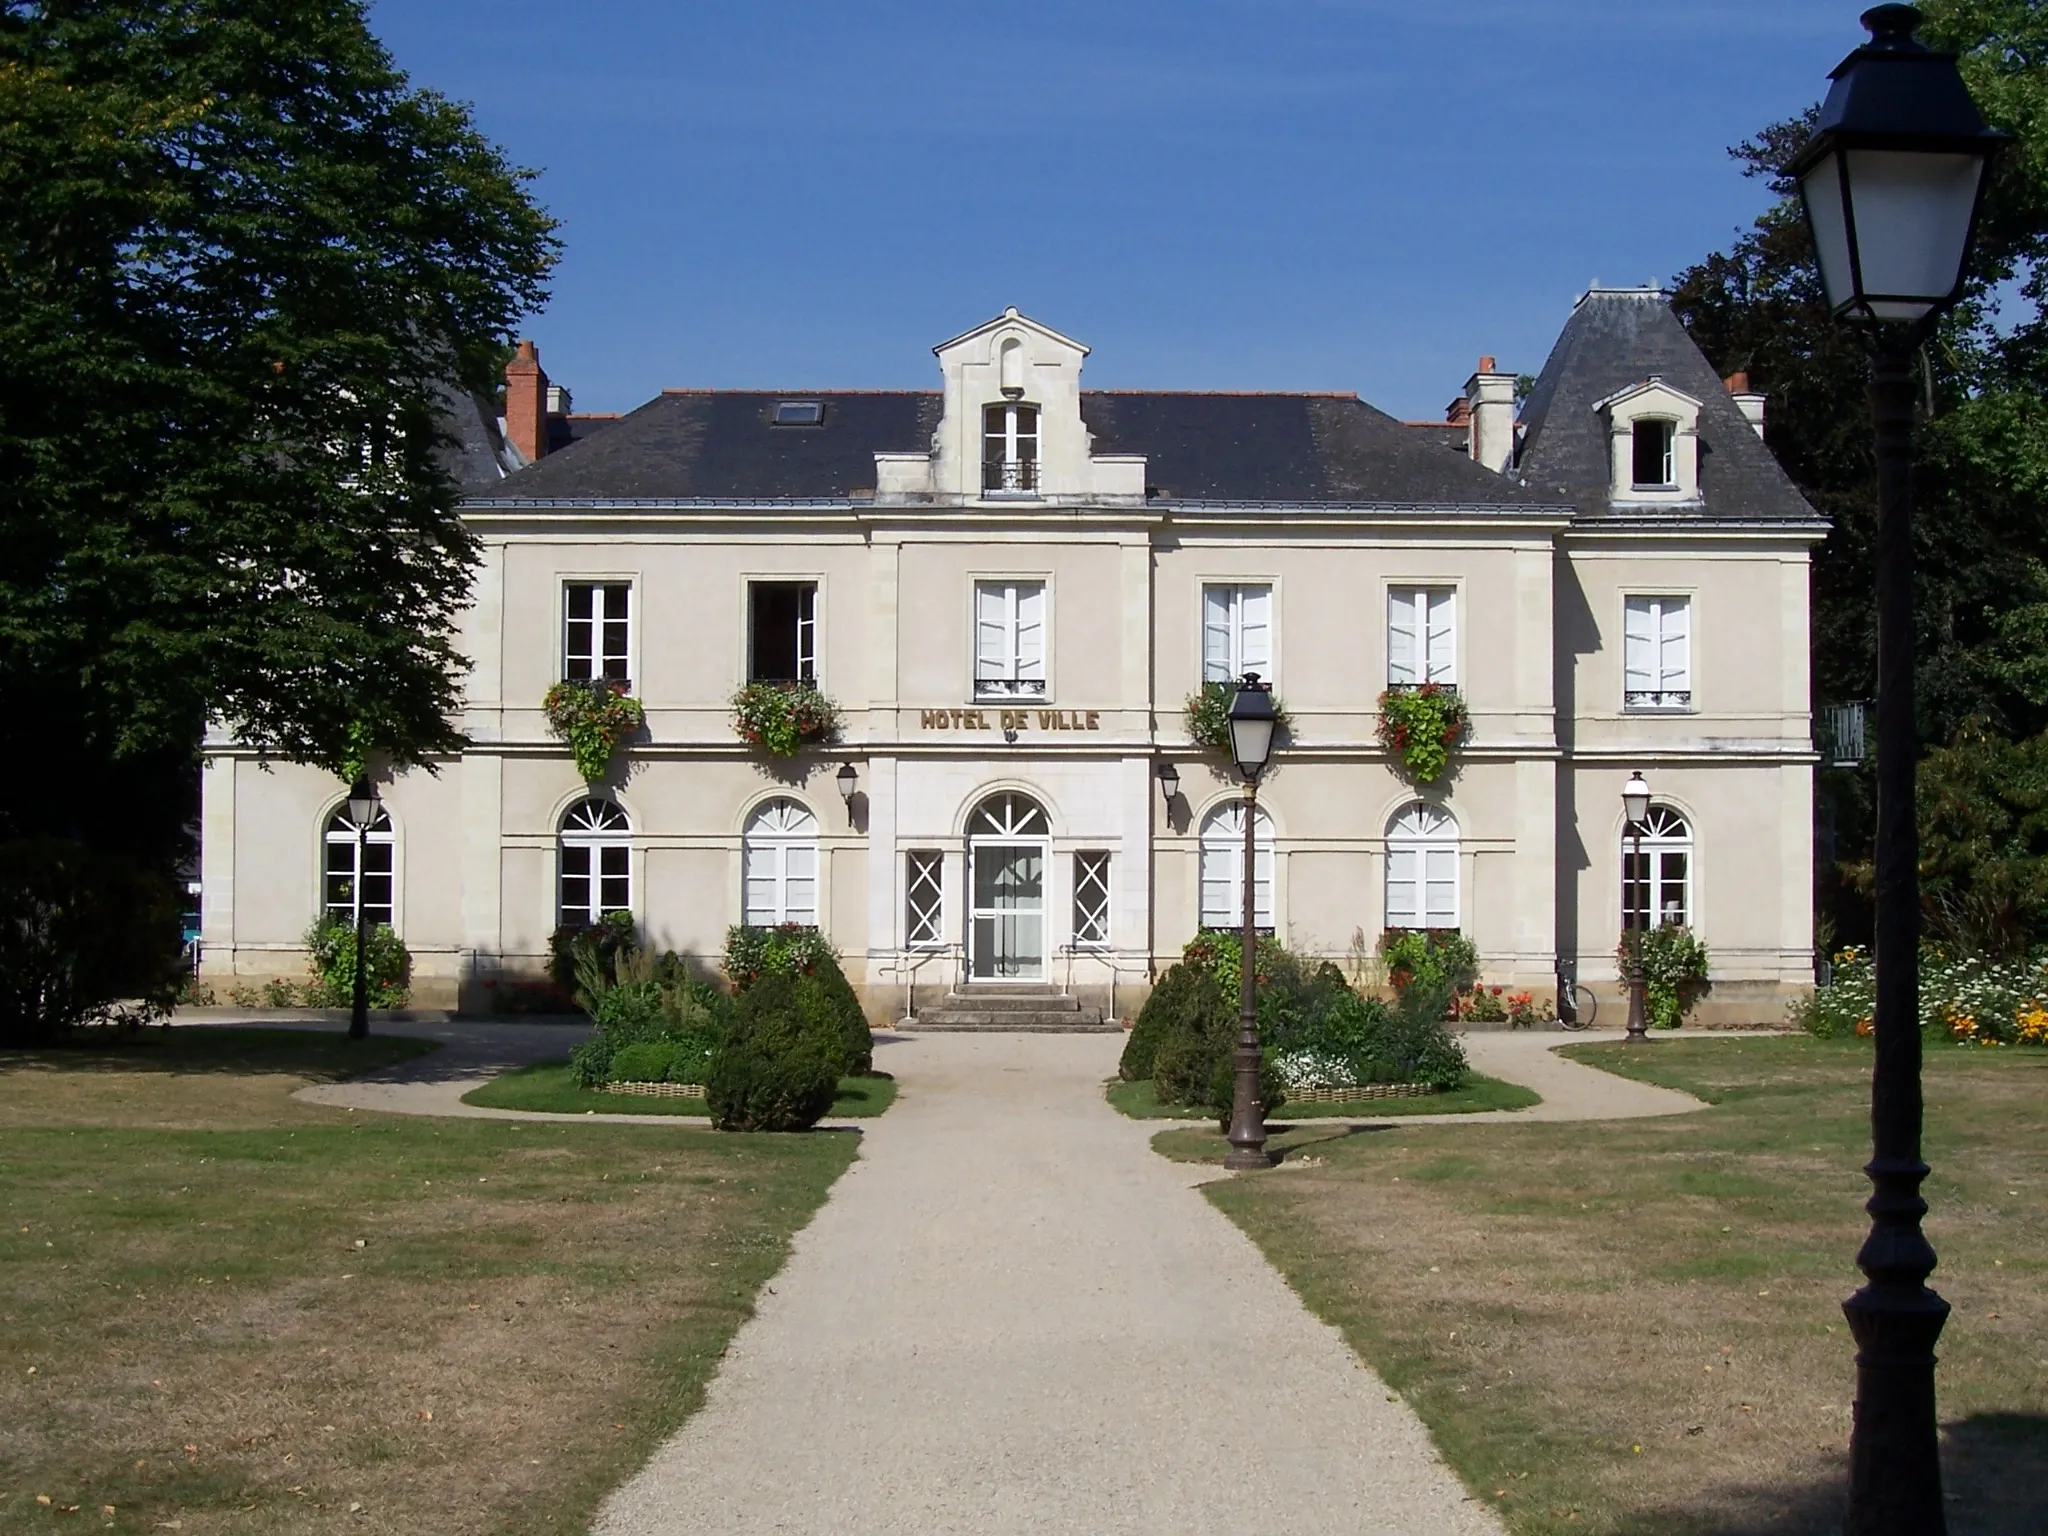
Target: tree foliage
[(245, 265)]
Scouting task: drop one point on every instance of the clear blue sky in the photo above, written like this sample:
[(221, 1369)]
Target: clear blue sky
[(1213, 194)]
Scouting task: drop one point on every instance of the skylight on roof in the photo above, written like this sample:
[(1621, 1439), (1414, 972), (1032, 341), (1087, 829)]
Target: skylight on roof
[(798, 413)]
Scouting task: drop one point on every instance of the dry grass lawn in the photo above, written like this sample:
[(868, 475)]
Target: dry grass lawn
[(1635, 1327), (225, 1311)]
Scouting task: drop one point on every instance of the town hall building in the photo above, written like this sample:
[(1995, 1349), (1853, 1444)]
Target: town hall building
[(1010, 586)]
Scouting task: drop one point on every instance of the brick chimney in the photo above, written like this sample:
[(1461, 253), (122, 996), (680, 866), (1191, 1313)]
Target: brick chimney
[(526, 403), (1747, 400), (1491, 394), (1459, 412)]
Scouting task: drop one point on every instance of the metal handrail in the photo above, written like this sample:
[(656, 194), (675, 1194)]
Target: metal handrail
[(922, 956)]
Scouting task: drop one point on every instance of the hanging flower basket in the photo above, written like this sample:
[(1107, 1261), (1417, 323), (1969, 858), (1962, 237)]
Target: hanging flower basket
[(595, 718), (779, 718), (1207, 715), (1422, 725)]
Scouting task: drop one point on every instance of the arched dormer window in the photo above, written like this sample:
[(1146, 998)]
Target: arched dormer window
[(1422, 868), (1009, 449), (357, 869), (595, 857), (1653, 432)]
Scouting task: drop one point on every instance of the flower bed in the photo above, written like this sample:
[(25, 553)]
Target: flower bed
[(1965, 999)]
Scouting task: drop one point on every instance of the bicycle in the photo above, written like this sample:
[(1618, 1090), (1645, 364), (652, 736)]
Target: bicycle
[(1577, 1007)]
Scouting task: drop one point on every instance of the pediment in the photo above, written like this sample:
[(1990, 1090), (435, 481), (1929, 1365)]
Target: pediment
[(1650, 397), (1012, 323)]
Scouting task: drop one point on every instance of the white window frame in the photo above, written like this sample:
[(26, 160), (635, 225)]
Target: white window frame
[(597, 658), (1667, 832), (340, 836), (1014, 676), (1659, 685), (1094, 874), (779, 850), (1423, 859), (1220, 866), (809, 653), (1016, 474), (589, 830), (1225, 656), (924, 898), (1427, 612), (1669, 427)]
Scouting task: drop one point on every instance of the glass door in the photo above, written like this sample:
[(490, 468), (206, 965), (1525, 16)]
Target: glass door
[(1009, 912)]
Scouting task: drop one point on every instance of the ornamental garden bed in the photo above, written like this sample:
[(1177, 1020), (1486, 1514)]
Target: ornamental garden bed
[(658, 1090)]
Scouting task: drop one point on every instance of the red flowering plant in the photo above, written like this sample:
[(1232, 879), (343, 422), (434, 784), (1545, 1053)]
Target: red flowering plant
[(1422, 724), (780, 717), (595, 717)]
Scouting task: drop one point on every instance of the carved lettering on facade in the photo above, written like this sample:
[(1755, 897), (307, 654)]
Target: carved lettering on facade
[(1009, 719)]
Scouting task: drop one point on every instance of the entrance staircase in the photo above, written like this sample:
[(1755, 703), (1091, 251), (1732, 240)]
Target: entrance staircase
[(1012, 1008)]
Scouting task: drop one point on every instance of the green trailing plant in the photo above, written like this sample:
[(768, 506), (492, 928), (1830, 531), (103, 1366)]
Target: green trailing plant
[(331, 953), (1206, 715), (1422, 725), (780, 717), (595, 718), (1674, 971)]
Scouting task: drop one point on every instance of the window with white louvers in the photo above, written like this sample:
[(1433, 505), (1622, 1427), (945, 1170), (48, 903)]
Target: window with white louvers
[(1009, 639), (1657, 653), (779, 866), (1237, 632), (1422, 636), (1221, 872), (1422, 868)]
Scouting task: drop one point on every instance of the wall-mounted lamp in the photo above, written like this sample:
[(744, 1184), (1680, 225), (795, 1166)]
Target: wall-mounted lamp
[(1169, 783), (848, 779)]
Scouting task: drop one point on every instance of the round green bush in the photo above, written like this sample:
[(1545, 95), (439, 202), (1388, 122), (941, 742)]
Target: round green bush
[(1169, 997), (1222, 1090), (826, 1000), (644, 1061), (754, 1088)]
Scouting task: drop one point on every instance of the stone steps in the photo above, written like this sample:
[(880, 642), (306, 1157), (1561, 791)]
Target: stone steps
[(1009, 1008)]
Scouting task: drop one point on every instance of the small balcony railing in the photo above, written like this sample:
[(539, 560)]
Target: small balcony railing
[(1657, 698), (1016, 476), (1009, 687), (1838, 734)]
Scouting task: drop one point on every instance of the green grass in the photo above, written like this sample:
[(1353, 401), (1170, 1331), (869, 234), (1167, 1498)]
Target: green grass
[(1634, 1328), (552, 1086), (245, 1313), (1140, 1102)]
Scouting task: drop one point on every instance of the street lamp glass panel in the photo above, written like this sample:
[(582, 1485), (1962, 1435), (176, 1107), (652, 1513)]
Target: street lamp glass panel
[(362, 802), (1892, 227), (1635, 800), (1251, 726), (848, 777), (1169, 781)]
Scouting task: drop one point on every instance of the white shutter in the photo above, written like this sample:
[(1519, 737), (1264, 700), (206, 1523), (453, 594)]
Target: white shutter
[(1674, 647), (1255, 631), (1216, 657), (1440, 887), (800, 885), (1402, 887), (1030, 643), (1217, 878), (1403, 638), (761, 862), (991, 631), (1443, 634), (1639, 643)]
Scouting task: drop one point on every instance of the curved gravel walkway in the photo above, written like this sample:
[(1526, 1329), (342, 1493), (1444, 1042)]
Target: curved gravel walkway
[(1012, 1316)]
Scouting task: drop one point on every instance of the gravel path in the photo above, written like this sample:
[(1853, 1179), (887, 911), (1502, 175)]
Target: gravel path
[(1012, 1316)]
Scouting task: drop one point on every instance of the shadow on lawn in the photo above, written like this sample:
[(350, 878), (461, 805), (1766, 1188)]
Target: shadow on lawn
[(228, 1050), (1995, 1479)]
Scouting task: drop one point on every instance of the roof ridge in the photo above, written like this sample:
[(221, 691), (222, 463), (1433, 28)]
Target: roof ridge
[(792, 394)]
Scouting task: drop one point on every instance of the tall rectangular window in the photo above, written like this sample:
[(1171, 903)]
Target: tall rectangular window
[(924, 898), (1237, 632), (782, 632), (1422, 636), (1091, 898), (1657, 653), (1422, 886), (1650, 443), (1009, 448), (597, 877), (1009, 639), (597, 631)]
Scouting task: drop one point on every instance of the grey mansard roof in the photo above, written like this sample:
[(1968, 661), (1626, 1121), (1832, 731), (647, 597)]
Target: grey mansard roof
[(719, 445), (1617, 338)]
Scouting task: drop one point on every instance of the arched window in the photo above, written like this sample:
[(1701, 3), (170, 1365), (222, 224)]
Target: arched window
[(1008, 816), (1007, 847), (1659, 882), (1422, 868), (1222, 868), (596, 861), (779, 858), (346, 882)]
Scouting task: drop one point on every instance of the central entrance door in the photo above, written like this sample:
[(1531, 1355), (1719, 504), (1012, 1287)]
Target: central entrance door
[(1007, 840)]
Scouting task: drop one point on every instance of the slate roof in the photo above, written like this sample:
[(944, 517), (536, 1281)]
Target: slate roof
[(1616, 338), (473, 452), (719, 445)]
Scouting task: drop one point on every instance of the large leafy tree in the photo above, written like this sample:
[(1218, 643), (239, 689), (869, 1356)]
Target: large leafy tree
[(1981, 527), (245, 267)]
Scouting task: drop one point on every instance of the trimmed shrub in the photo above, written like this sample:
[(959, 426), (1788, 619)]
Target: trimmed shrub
[(1153, 1023), (85, 937), (802, 955), (830, 1010), (774, 1070), (644, 1061)]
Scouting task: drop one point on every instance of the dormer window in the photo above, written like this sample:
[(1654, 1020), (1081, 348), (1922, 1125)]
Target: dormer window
[(1654, 469), (1009, 450)]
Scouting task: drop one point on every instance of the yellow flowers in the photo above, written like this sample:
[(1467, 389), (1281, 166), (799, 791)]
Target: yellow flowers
[(2032, 1021)]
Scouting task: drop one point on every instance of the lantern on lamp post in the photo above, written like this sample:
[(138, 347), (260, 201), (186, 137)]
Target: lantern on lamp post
[(1892, 181), (1252, 722)]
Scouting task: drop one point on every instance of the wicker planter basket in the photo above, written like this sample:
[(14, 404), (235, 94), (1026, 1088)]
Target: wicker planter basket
[(658, 1090), (1359, 1093)]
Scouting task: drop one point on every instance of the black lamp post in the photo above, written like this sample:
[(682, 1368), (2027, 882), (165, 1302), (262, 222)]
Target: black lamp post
[(1892, 181), (362, 810), (1635, 804), (1252, 719)]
